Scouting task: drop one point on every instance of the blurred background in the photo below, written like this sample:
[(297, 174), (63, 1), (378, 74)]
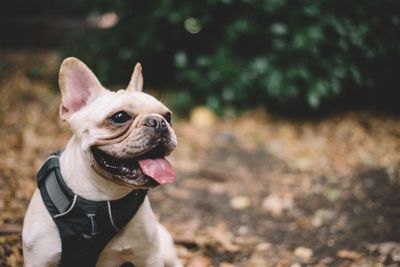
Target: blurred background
[(286, 112)]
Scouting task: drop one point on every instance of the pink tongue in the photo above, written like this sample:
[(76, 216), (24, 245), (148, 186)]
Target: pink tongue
[(158, 169)]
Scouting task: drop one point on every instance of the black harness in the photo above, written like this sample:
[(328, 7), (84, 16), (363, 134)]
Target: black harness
[(85, 226)]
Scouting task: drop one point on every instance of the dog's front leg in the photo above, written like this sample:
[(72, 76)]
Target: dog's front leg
[(41, 241), (167, 248), (138, 242)]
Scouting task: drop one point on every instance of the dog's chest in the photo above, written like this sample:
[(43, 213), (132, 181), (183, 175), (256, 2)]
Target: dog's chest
[(121, 249)]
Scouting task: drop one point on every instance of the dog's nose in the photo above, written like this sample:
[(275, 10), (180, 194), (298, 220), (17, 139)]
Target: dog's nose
[(157, 123)]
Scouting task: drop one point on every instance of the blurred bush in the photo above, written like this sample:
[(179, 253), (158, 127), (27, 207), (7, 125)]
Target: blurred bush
[(243, 53)]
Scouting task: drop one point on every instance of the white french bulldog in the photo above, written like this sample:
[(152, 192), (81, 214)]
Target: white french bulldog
[(118, 145)]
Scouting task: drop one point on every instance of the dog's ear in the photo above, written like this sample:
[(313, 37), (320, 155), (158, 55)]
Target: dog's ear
[(136, 83), (78, 86)]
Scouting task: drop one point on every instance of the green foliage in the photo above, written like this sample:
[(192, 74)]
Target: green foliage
[(227, 53)]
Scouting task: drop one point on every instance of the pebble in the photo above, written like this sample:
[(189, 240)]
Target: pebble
[(276, 204), (243, 230), (304, 253), (240, 202)]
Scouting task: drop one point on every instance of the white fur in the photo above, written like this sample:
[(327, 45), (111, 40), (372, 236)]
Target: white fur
[(143, 241)]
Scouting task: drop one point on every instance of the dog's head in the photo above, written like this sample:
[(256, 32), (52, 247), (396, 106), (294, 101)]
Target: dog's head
[(124, 135)]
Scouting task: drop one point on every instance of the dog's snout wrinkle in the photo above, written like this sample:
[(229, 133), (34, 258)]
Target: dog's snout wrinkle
[(128, 132)]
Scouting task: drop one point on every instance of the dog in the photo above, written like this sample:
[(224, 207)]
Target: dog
[(119, 144)]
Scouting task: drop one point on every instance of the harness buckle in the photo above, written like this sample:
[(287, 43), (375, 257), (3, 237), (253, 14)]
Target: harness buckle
[(93, 224)]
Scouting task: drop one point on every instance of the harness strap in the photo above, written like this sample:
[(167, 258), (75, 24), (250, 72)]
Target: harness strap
[(58, 192), (85, 226)]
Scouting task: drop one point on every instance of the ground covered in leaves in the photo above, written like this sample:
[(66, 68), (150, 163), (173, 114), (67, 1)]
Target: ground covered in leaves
[(253, 190)]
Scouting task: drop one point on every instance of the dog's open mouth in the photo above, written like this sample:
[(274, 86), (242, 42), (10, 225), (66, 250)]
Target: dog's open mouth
[(151, 164)]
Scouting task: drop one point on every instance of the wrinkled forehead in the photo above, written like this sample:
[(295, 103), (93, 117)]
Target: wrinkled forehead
[(134, 102)]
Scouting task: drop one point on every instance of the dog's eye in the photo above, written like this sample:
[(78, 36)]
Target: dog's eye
[(167, 116), (120, 117)]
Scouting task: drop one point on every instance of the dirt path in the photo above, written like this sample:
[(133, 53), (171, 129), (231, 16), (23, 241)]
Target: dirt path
[(252, 191)]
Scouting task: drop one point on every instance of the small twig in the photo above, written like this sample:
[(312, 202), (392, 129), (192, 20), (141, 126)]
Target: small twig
[(186, 242), (10, 229)]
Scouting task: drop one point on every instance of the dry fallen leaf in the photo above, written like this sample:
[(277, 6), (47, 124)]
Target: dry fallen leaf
[(276, 204), (200, 261), (304, 253), (223, 237), (348, 254)]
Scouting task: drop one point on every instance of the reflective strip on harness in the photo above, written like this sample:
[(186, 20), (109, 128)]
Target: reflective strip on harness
[(56, 195)]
